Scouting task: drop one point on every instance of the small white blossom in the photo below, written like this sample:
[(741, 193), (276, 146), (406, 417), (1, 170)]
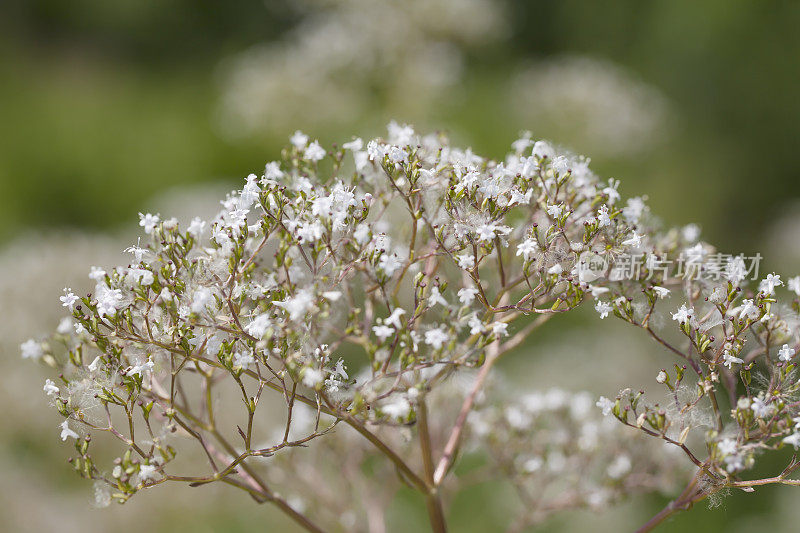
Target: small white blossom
[(383, 332), (467, 295), (786, 353), (196, 227), (147, 472), (436, 298), (148, 222), (605, 405), (312, 377), (298, 305), (604, 308), (661, 292), (684, 314), (299, 139), (794, 285), (66, 432), (729, 359), (466, 261), (436, 338), (69, 299), (527, 248), (768, 284), (314, 152), (31, 349), (793, 440), (50, 388), (761, 408)]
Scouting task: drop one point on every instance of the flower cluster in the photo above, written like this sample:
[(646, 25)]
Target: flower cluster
[(353, 284), (347, 57)]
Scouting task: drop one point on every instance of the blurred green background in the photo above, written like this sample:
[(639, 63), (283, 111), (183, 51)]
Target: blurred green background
[(104, 105)]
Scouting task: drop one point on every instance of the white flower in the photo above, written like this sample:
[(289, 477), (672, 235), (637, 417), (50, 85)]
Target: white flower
[(299, 139), (31, 349), (376, 151), (749, 310), (729, 359), (258, 326), (605, 404), (604, 308), (691, 232), (272, 172), (397, 408), (736, 270), (243, 360), (727, 447), (314, 152), (340, 371), (298, 305), (560, 165), (475, 324), (634, 241), (97, 274), (312, 377), (332, 296), (793, 439), (397, 155), (661, 292), (619, 467), (794, 285), (148, 222), (196, 227), (466, 261), (389, 263), (603, 218), (108, 301), (354, 145), (140, 276), (633, 210), (65, 326), (436, 338), (394, 318), (467, 295), (761, 408), (361, 233), (50, 388), (527, 248), (542, 149), (383, 332), (786, 353), (141, 369), (556, 210), (611, 191), (662, 377), (201, 299), (66, 432), (94, 365), (147, 472), (684, 314), (69, 299), (487, 232), (767, 285), (500, 329), (436, 298)]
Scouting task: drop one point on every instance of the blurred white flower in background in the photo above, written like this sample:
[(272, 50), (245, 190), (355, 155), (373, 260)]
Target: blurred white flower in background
[(589, 102), (348, 57)]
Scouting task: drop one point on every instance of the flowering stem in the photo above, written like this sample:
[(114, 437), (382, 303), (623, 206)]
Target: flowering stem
[(433, 499), (690, 495), (455, 436)]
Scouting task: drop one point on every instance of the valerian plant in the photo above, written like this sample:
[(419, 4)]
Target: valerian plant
[(329, 337)]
